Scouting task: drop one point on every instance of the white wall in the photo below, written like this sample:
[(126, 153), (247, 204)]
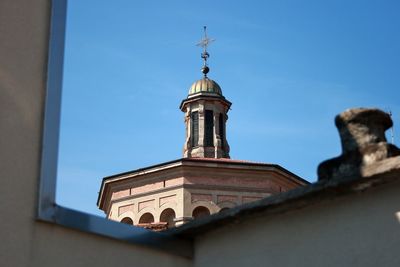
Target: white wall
[(357, 230), (24, 29)]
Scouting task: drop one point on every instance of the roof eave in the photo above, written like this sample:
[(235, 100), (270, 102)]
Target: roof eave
[(204, 96), (109, 179)]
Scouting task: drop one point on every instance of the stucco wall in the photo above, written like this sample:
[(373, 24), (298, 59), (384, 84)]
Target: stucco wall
[(24, 29), (358, 230)]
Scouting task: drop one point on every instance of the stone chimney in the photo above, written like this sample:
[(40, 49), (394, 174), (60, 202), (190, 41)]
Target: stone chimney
[(362, 133)]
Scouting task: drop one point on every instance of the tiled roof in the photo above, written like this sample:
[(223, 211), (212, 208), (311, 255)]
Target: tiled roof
[(159, 226)]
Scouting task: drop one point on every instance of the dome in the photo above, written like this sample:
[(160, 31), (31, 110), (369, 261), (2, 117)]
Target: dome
[(205, 85)]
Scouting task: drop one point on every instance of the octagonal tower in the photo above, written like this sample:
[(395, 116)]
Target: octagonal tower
[(205, 111)]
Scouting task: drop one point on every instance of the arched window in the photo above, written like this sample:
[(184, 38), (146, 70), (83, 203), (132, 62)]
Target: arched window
[(146, 218), (168, 216), (127, 220), (200, 212)]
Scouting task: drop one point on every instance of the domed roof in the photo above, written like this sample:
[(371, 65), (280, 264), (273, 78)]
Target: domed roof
[(205, 85)]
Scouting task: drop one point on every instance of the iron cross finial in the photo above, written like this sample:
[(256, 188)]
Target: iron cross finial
[(205, 42)]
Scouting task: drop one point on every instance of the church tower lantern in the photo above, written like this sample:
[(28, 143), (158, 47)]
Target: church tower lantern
[(205, 111)]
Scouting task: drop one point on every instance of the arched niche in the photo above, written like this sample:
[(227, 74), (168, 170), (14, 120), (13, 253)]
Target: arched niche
[(168, 215), (127, 220), (146, 218), (200, 212)]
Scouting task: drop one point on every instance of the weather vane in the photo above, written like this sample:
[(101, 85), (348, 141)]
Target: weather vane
[(205, 42)]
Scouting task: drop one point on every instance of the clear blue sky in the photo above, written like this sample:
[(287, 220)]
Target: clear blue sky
[(288, 67)]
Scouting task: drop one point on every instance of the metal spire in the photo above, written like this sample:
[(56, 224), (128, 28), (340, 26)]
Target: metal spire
[(205, 55)]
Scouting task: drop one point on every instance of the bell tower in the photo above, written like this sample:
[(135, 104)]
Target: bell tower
[(205, 111)]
